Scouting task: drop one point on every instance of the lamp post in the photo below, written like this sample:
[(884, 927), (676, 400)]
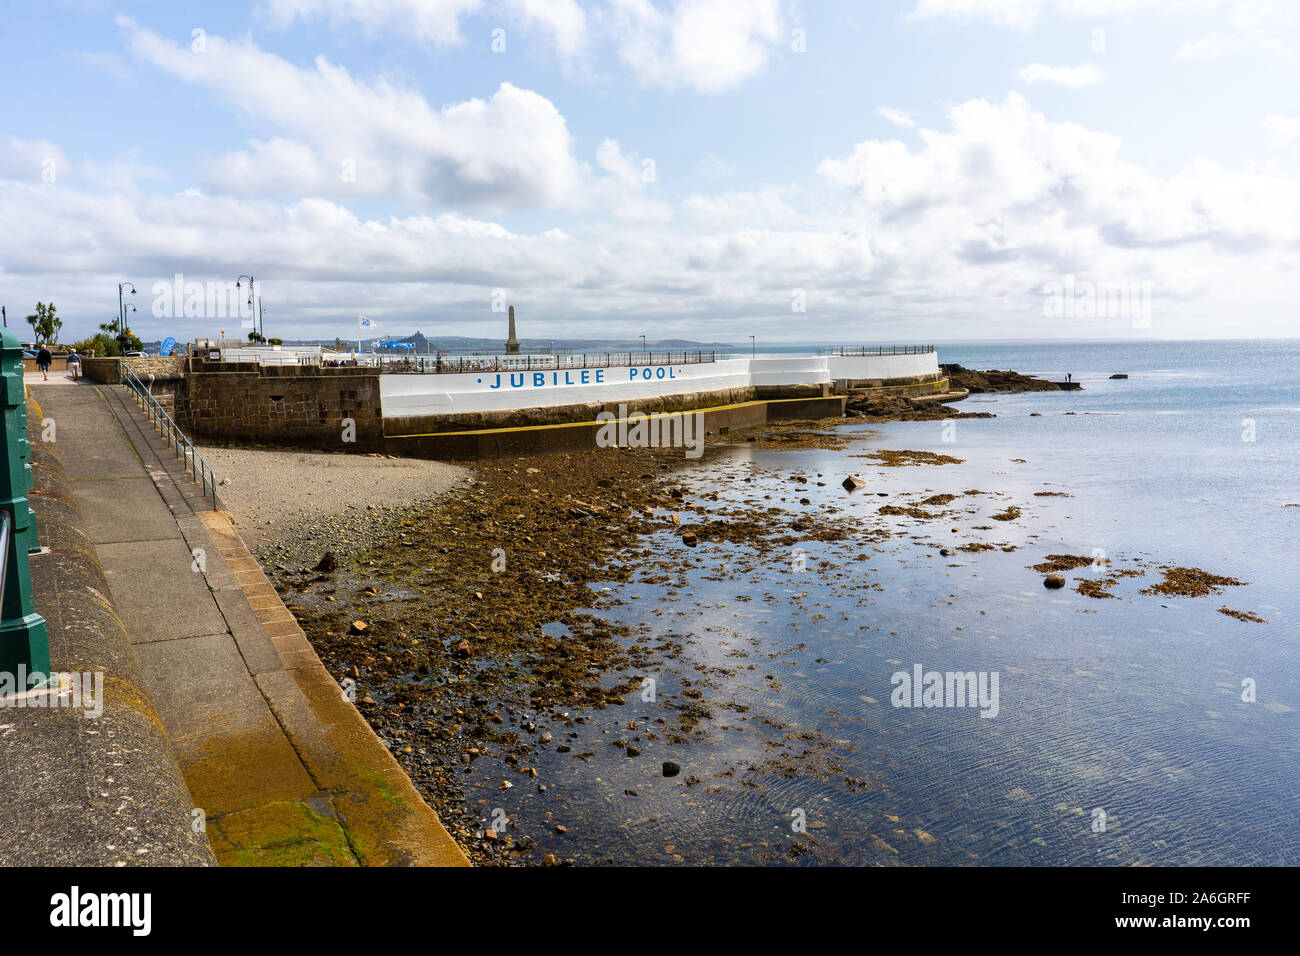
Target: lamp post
[(122, 338), (121, 308), (753, 347), (643, 343), (254, 300)]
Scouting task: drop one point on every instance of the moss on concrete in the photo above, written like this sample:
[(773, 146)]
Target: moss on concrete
[(280, 834)]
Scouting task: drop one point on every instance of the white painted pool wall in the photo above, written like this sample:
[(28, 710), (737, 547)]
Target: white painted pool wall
[(853, 367), (409, 395)]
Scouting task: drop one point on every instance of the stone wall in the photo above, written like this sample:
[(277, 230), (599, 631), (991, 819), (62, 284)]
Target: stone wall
[(160, 367), (163, 376), (283, 405)]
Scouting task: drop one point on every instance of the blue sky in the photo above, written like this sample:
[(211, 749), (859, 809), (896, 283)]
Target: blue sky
[(922, 170)]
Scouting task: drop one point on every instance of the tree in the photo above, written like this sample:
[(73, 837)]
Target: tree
[(45, 323), (107, 342), (100, 344), (116, 343)]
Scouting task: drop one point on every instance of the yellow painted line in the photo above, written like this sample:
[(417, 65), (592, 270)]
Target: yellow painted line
[(615, 421)]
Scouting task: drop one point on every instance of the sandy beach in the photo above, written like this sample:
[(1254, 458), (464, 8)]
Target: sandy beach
[(277, 495)]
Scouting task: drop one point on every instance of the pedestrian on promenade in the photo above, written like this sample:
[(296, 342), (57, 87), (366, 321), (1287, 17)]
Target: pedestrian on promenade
[(74, 364), (43, 360)]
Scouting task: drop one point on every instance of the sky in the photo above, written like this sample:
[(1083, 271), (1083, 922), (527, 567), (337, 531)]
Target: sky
[(841, 172)]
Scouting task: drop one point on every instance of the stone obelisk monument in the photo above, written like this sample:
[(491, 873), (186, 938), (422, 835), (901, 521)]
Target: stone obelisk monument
[(512, 344)]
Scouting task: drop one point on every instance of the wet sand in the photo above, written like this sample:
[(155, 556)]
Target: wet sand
[(276, 494)]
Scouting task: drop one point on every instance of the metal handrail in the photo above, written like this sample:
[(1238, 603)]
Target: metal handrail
[(450, 364), (171, 433), (879, 350)]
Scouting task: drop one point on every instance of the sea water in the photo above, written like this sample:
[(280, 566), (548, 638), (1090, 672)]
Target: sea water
[(1139, 729)]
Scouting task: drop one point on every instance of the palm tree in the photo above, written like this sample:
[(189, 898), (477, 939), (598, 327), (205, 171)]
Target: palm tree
[(45, 323)]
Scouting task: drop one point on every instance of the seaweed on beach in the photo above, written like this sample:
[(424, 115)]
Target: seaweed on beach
[(1062, 562), (1242, 615), (939, 500), (1190, 582), (797, 436), (910, 511), (900, 458), (1096, 587)]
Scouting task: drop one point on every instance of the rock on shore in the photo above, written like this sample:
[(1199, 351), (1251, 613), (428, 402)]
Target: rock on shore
[(898, 408), (994, 380)]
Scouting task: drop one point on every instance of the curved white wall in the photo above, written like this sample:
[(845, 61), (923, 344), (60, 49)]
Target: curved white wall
[(406, 395), (882, 366)]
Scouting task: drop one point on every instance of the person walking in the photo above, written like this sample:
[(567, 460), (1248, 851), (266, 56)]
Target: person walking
[(43, 359), (74, 364)]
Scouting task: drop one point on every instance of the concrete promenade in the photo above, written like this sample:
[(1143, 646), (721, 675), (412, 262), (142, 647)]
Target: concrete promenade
[(285, 770), (87, 775)]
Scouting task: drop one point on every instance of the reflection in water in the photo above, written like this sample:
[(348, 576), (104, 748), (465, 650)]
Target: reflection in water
[(1121, 735)]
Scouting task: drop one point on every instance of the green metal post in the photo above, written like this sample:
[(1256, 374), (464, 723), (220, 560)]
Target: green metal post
[(24, 638)]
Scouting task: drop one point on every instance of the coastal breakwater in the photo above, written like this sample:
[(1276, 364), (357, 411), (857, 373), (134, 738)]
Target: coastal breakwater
[(509, 405)]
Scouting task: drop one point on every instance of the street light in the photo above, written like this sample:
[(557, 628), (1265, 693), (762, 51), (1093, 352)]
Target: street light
[(257, 305), (121, 332), (753, 347), (121, 309), (643, 343)]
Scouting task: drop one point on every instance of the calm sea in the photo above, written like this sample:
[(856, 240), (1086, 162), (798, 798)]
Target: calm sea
[(1121, 735)]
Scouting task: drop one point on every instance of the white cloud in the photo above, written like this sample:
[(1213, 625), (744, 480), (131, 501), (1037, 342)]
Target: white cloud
[(1086, 74), (1255, 25), (564, 20), (1005, 163), (897, 117), (339, 136), (952, 236), (766, 208), (32, 160), (622, 192), (1005, 200), (710, 46)]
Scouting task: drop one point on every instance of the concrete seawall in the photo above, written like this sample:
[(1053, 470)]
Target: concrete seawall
[(357, 409), (549, 438), (75, 789), (281, 764)]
